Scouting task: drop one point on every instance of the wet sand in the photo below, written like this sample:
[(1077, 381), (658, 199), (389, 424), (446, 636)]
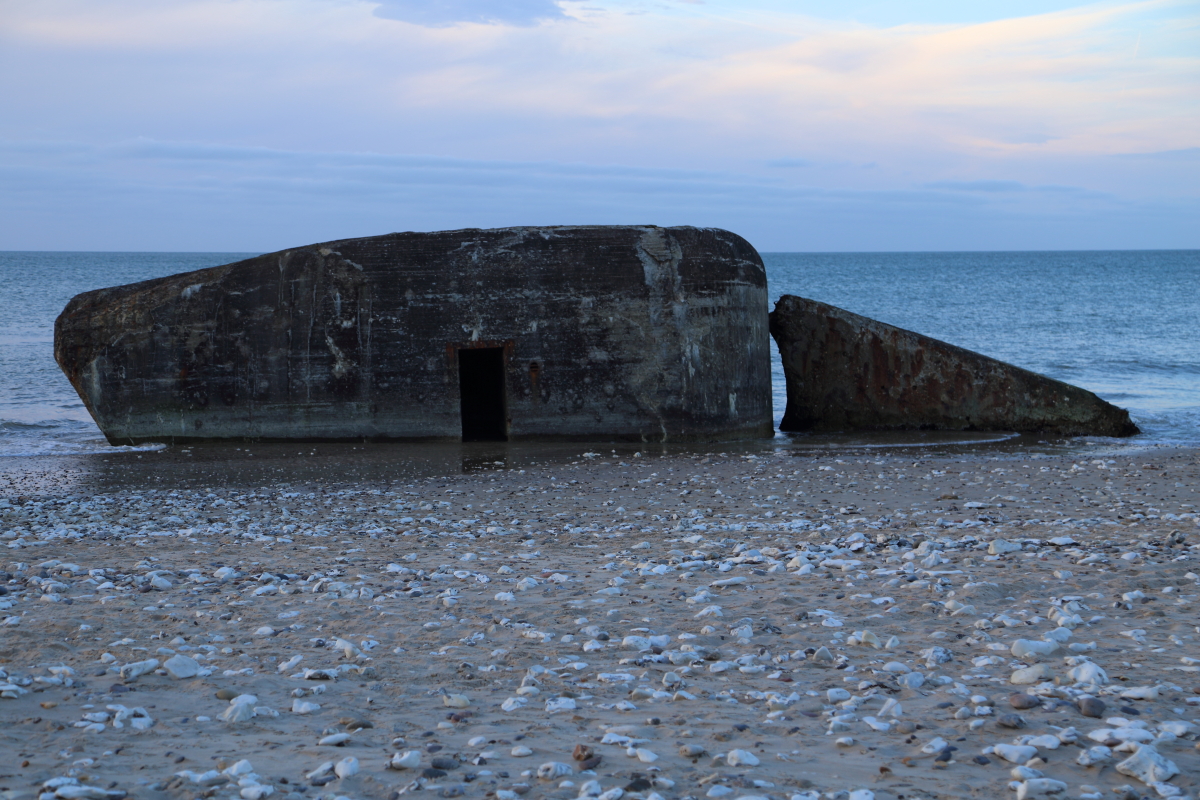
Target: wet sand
[(760, 621)]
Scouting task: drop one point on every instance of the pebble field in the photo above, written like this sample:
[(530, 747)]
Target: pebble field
[(866, 625)]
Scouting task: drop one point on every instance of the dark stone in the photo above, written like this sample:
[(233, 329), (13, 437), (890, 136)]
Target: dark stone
[(638, 785), (1130, 710), (1092, 707), (433, 772), (613, 332), (1022, 701), (982, 760), (1010, 721), (444, 762), (846, 372)]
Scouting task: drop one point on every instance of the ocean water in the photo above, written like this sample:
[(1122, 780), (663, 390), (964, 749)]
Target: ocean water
[(1124, 324)]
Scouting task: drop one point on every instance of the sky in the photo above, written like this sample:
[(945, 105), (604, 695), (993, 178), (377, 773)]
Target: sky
[(812, 125)]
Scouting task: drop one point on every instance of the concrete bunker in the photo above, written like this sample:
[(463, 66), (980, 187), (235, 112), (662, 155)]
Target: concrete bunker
[(569, 332)]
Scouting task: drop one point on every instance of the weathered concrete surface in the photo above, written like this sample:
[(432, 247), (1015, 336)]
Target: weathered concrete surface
[(625, 332), (847, 372)]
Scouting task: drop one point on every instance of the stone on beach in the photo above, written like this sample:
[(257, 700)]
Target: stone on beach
[(1024, 648), (1040, 787), (304, 707), (1015, 753), (1029, 675), (410, 759), (999, 547), (240, 709), (1148, 766), (1022, 701), (136, 669), (181, 667), (738, 758), (1088, 673)]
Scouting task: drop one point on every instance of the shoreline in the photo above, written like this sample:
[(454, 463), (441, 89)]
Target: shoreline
[(696, 620), (266, 463)]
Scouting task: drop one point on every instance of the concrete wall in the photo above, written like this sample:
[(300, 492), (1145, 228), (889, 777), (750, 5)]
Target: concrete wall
[(625, 332), (847, 372)]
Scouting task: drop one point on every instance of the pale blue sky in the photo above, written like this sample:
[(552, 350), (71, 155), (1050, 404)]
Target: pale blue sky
[(261, 124)]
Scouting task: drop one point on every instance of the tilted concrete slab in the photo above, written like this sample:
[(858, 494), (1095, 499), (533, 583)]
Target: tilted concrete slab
[(848, 372)]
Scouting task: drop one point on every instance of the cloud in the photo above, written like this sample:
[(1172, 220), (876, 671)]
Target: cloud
[(441, 13), (790, 163), (337, 122), (156, 195), (679, 82), (1000, 187), (1186, 154), (978, 186)]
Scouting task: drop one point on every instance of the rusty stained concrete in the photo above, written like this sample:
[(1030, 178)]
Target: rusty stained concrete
[(848, 372), (607, 332)]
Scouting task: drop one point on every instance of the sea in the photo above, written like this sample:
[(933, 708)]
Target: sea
[(1124, 324)]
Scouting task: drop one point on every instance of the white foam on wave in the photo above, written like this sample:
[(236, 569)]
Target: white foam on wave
[(60, 437), (26, 447)]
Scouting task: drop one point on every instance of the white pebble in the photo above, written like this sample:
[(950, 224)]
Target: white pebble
[(737, 758), (181, 667), (334, 740), (1040, 787), (410, 759)]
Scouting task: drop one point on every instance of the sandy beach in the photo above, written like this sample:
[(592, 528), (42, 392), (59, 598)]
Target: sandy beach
[(894, 624)]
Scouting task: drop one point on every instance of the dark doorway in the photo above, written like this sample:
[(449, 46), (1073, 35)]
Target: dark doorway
[(481, 385)]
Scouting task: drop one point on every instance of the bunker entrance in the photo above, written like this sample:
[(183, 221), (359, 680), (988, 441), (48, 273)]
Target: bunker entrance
[(481, 387)]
